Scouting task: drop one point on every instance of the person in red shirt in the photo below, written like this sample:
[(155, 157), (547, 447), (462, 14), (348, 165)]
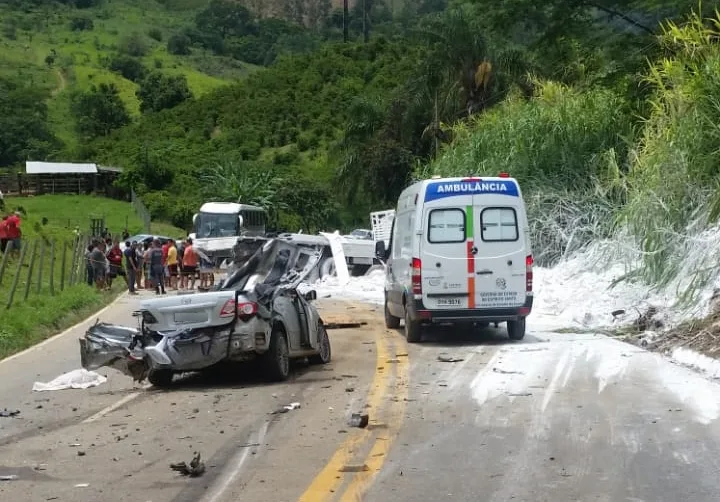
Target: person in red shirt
[(13, 232), (165, 248), (3, 234), (115, 257)]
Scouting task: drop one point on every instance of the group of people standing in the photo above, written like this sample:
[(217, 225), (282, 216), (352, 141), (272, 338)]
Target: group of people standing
[(153, 263)]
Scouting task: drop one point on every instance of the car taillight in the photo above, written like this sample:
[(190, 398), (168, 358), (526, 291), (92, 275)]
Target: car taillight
[(416, 276), (245, 310), (528, 273)]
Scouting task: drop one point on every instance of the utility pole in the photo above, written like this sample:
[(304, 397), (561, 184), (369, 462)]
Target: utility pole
[(366, 22), (346, 20)]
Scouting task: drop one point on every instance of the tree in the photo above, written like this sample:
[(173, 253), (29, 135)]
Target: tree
[(99, 111), (129, 67), (226, 16), (24, 130), (179, 44), (159, 91), (133, 45)]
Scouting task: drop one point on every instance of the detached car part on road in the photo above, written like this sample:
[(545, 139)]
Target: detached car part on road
[(260, 312)]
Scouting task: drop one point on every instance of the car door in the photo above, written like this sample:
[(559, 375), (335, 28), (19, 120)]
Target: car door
[(446, 283), (498, 252)]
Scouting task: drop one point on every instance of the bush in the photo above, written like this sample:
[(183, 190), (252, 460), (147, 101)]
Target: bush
[(155, 34)]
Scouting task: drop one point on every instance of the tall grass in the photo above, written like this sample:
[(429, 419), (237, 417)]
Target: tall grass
[(588, 174), (564, 146), (673, 176)]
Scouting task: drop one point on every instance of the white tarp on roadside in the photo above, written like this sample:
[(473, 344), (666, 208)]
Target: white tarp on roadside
[(76, 379), (341, 269)]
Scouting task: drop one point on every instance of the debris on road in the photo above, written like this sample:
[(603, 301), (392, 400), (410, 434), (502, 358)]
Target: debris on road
[(9, 413), (354, 468), (349, 389), (76, 379), (286, 408), (507, 372), (360, 420), (449, 359), (344, 325), (9, 477), (195, 469)]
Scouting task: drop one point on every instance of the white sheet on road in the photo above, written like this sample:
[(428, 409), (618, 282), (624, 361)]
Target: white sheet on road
[(76, 379)]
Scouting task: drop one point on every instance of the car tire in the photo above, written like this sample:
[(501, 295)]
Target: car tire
[(277, 359), (413, 329), (324, 344), (516, 329), (161, 378), (391, 322)]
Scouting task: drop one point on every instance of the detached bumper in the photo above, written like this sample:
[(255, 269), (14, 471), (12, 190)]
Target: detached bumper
[(419, 312)]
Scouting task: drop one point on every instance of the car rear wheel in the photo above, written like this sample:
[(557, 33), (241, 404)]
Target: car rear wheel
[(161, 378), (277, 359), (516, 329), (391, 322), (413, 329), (325, 354)]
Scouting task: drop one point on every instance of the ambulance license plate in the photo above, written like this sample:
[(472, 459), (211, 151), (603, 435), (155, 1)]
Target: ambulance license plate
[(448, 302)]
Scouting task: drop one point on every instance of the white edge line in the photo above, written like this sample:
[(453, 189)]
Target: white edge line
[(70, 329), (111, 408), (236, 466)]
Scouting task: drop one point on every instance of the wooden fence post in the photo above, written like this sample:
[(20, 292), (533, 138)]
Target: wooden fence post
[(30, 270), (3, 264), (40, 265), (74, 271), (62, 266), (16, 279), (52, 268)]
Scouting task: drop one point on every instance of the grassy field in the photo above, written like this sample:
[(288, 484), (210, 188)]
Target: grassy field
[(46, 299), (65, 212), (30, 35)]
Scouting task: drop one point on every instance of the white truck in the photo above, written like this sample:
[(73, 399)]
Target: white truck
[(218, 225)]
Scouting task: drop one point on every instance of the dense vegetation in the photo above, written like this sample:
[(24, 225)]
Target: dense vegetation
[(605, 110)]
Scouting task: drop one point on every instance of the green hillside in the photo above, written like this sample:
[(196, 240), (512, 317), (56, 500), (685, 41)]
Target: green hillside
[(593, 106)]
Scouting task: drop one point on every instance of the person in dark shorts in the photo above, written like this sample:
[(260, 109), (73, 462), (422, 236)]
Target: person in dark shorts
[(99, 264), (157, 269), (89, 270), (131, 266), (190, 265)]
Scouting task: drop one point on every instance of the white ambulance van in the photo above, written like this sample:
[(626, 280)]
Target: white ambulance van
[(459, 253)]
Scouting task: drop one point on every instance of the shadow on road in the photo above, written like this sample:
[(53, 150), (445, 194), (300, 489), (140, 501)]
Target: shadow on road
[(243, 375), (464, 336)]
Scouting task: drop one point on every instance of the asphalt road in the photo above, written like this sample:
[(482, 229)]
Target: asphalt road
[(463, 416)]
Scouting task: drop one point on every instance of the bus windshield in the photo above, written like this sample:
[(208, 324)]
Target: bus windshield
[(216, 225)]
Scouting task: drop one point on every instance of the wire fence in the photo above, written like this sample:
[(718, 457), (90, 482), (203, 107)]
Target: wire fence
[(140, 209), (41, 267)]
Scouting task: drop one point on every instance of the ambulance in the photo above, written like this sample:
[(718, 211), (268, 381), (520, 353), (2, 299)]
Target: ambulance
[(459, 253)]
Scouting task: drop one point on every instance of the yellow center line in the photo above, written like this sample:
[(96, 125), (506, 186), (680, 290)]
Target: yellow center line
[(328, 480), (360, 483)]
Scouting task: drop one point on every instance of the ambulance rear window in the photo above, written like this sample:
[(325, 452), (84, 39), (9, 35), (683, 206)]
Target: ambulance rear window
[(499, 224), (446, 225)]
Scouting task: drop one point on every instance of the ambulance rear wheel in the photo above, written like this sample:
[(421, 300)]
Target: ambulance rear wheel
[(516, 329), (413, 329)]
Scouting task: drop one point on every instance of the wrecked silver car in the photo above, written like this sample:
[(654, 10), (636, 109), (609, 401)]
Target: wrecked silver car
[(262, 311)]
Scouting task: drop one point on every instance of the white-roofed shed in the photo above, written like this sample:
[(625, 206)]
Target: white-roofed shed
[(33, 167)]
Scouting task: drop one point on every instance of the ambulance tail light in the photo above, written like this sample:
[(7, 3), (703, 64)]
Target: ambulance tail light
[(529, 273), (416, 276), (503, 175)]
